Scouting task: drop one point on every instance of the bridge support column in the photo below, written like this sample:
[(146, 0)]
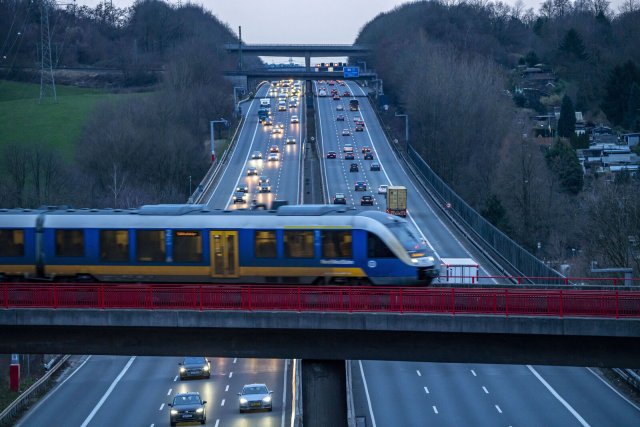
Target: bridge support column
[(324, 393), (307, 62)]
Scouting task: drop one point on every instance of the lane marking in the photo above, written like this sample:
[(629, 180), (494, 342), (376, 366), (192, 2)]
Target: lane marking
[(217, 422), (498, 408), (474, 373), (175, 379), (366, 392), (169, 392), (284, 393), (235, 359), (485, 390), (230, 374), (636, 407), (161, 407), (294, 388), (226, 388), (426, 389), (418, 372), (222, 404), (560, 399), (108, 392), (435, 409)]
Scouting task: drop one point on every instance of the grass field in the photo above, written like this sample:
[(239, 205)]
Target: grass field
[(23, 119)]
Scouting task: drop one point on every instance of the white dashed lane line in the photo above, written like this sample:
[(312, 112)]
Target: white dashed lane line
[(222, 403), (175, 379), (435, 410), (161, 407), (498, 409), (474, 373), (485, 390), (169, 392), (226, 388), (426, 390), (230, 374), (418, 372)]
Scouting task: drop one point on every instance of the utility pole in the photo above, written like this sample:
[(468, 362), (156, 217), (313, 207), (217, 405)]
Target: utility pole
[(47, 82), (240, 46)]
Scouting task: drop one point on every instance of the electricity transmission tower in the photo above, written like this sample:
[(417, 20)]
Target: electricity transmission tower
[(47, 82)]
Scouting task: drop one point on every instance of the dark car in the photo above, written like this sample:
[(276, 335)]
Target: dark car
[(255, 397), (331, 155), (196, 366), (340, 118), (187, 408), (346, 93), (339, 199), (239, 197), (242, 188), (252, 171), (336, 97), (349, 156), (360, 186), (366, 149), (368, 156), (375, 167), (359, 128), (353, 167), (366, 201)]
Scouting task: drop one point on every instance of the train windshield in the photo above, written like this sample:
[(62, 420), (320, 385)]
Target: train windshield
[(408, 238)]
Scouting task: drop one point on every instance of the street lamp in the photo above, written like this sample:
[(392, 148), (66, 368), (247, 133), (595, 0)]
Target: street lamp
[(213, 122), (406, 128)]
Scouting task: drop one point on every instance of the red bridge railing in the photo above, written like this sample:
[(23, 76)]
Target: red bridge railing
[(501, 302)]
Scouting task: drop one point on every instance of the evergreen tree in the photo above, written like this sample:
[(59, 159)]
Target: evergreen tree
[(573, 44), (567, 121), (495, 213), (617, 91), (563, 161), (632, 115), (579, 141)]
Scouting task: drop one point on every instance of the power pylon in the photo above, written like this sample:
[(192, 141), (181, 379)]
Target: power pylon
[(47, 82)]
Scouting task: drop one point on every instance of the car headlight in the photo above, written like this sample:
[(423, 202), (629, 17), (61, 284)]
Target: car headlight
[(431, 259), (267, 399), (413, 260), (206, 367), (243, 401), (182, 369), (174, 412), (199, 410)]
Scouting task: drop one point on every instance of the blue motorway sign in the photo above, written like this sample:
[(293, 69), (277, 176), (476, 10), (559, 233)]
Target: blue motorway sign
[(351, 72)]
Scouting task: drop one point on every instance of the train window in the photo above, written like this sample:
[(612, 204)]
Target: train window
[(114, 245), (376, 248), (69, 243), (265, 244), (150, 246), (336, 244), (11, 242), (298, 244), (187, 246)]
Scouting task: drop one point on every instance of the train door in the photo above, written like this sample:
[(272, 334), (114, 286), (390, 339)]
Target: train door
[(224, 253)]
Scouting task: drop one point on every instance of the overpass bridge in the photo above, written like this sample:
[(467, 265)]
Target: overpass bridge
[(306, 51), (299, 73)]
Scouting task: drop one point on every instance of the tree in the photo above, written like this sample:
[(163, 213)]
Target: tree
[(563, 161), (632, 115), (494, 212), (531, 58), (567, 121), (617, 90), (572, 44)]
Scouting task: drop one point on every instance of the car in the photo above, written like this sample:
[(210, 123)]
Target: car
[(331, 155), (331, 82), (366, 201), (360, 186), (353, 167), (339, 199), (256, 155), (187, 408), (368, 156), (340, 118), (349, 156), (346, 132), (293, 104), (252, 171), (195, 366), (255, 397), (273, 157), (290, 140), (336, 97), (264, 188), (359, 128), (347, 148), (276, 130), (346, 93), (357, 119), (274, 149), (263, 180), (340, 107), (267, 122), (359, 123), (375, 167), (239, 197), (295, 119), (366, 149), (382, 189), (242, 188), (280, 125)]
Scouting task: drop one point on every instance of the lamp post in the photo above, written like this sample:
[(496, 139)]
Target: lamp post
[(406, 128), (213, 122)]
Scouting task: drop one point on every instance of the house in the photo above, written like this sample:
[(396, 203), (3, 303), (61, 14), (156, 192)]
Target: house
[(631, 139)]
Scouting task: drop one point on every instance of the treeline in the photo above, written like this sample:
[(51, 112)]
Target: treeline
[(448, 65), (134, 149)]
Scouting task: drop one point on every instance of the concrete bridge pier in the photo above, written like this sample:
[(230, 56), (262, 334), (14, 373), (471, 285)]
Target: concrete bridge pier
[(324, 393), (307, 61)]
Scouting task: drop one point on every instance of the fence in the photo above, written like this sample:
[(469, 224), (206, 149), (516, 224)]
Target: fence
[(500, 302)]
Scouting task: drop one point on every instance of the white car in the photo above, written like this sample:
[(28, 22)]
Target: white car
[(273, 157), (340, 108), (256, 155), (383, 189), (295, 119)]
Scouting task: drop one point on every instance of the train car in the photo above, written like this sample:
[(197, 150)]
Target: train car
[(191, 243)]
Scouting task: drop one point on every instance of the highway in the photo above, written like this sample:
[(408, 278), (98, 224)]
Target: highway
[(419, 394), (135, 391)]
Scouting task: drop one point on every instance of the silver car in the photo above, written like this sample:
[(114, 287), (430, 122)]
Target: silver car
[(255, 397)]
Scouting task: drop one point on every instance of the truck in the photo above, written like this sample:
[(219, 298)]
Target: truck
[(265, 102), (354, 105), (397, 200), (459, 271)]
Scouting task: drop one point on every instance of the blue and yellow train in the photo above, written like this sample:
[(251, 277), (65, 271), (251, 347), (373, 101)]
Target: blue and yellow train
[(320, 244)]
